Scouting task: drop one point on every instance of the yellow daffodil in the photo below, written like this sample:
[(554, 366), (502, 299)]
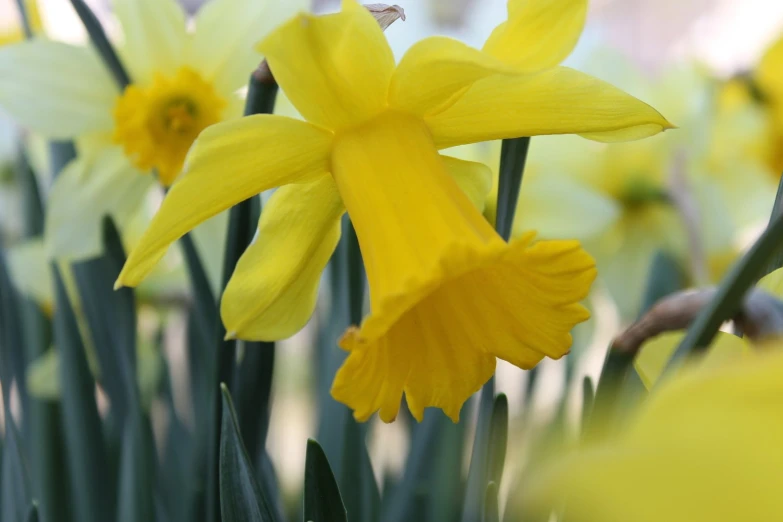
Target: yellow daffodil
[(706, 446), (182, 81), (447, 294), (768, 79)]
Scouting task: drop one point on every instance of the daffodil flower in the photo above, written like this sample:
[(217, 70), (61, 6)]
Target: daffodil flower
[(448, 295), (705, 446), (182, 82)]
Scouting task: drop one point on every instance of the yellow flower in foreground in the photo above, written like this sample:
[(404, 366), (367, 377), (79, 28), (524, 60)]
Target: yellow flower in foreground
[(447, 294), (707, 446), (182, 81)]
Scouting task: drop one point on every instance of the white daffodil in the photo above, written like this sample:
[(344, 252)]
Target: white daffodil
[(184, 77)]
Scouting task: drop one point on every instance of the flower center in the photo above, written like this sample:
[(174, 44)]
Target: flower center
[(157, 125)]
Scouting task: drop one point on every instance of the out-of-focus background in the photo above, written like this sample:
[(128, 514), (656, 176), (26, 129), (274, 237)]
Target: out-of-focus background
[(724, 36)]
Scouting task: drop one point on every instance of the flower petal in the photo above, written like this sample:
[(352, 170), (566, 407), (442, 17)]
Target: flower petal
[(273, 290), (436, 71), (230, 162), (86, 191), (29, 268), (556, 101), (155, 37), (537, 34), (475, 179), (226, 31), (56, 89), (559, 207), (335, 68)]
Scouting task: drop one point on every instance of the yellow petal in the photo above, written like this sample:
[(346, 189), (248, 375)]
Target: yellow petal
[(229, 162), (85, 191), (273, 290), (335, 68), (56, 89), (769, 73), (155, 37), (555, 101), (226, 31), (444, 297), (655, 353), (537, 35), (475, 179), (706, 446), (436, 71)]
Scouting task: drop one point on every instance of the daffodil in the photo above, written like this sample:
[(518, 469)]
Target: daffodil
[(447, 295), (768, 82), (706, 446), (688, 193), (182, 81)]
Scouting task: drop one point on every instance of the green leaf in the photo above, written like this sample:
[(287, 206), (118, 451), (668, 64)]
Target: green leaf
[(665, 278), (588, 398), (498, 439), (730, 293), (15, 494), (135, 502), (491, 506), (111, 317), (28, 32), (777, 210), (12, 363), (102, 44), (207, 316), (513, 156), (87, 455), (253, 393), (477, 473), (241, 497), (32, 205), (322, 500), (48, 465), (357, 480)]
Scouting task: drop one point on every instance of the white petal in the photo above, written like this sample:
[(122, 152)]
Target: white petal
[(57, 89), (155, 37), (84, 192), (223, 46)]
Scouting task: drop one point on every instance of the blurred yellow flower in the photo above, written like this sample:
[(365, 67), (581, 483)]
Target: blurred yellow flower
[(706, 446), (182, 81), (443, 284)]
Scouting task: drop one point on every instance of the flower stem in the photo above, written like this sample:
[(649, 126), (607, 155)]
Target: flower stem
[(25, 16), (730, 294), (101, 43)]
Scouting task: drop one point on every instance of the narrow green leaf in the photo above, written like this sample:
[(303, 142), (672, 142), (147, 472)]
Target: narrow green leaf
[(241, 497), (15, 496), (665, 278), (135, 502), (588, 397), (357, 482), (777, 210), (253, 385), (730, 293), (513, 155), (60, 154), (205, 303), (87, 455), (102, 45), (48, 465), (12, 363), (32, 204), (491, 506), (111, 317), (32, 513), (498, 439), (322, 500)]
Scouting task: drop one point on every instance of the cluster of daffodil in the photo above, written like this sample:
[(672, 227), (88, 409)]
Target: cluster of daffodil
[(410, 152)]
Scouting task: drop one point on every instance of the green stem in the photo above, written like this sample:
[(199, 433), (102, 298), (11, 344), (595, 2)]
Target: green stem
[(730, 293), (101, 43)]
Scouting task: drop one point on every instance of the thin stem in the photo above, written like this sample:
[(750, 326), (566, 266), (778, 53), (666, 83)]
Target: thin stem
[(102, 44)]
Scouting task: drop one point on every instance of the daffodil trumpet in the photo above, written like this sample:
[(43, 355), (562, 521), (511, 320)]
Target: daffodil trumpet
[(448, 295)]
